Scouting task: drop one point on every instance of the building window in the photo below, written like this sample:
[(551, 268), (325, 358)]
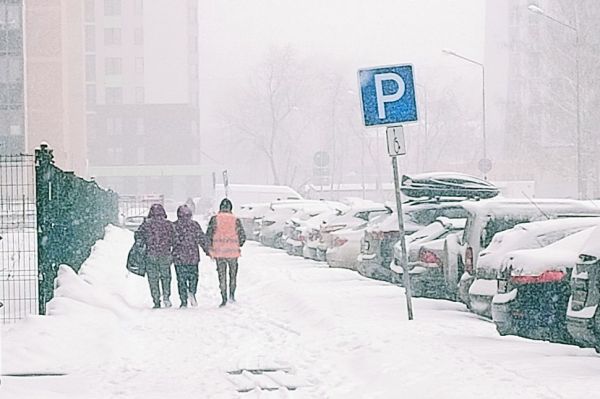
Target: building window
[(90, 67), (112, 7), (139, 7), (113, 66), (139, 126), (90, 12), (141, 155), (114, 95), (138, 36), (90, 38), (90, 95), (139, 95), (139, 65), (114, 126), (112, 36)]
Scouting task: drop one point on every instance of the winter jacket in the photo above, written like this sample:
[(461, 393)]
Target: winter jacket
[(188, 235), (226, 235), (157, 232)]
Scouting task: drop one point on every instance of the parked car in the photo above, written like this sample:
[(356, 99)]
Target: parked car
[(133, 223), (583, 314), (248, 213), (533, 289), (376, 246), (345, 246), (488, 217), (295, 230), (353, 217), (424, 251), (271, 226), (522, 236)]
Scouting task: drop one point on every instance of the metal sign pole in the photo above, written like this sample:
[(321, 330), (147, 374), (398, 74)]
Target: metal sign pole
[(405, 275)]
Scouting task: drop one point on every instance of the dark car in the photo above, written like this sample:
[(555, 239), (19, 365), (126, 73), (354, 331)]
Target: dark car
[(583, 312), (533, 289)]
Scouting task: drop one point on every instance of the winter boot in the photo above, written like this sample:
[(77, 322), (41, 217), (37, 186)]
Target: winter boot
[(232, 296), (156, 306), (167, 303), (192, 299), (224, 301)]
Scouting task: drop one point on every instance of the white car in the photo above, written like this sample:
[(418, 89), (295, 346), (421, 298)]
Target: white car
[(345, 247), (522, 236)]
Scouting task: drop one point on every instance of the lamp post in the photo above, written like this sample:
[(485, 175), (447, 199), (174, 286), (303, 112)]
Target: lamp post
[(484, 165), (578, 144)]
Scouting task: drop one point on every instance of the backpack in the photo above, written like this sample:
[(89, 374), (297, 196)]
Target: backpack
[(136, 259)]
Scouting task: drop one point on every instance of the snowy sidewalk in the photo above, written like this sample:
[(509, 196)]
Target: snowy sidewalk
[(330, 332)]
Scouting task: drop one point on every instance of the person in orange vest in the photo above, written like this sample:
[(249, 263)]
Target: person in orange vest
[(226, 236)]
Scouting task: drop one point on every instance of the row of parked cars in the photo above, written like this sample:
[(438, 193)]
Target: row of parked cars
[(532, 266)]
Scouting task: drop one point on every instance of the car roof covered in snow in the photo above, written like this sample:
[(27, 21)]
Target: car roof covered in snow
[(525, 207), (557, 256), (592, 245)]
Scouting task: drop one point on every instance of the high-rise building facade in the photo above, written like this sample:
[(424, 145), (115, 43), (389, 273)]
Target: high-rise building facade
[(536, 66), (12, 117), (142, 95)]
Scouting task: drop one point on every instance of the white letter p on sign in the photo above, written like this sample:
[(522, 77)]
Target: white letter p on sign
[(387, 98)]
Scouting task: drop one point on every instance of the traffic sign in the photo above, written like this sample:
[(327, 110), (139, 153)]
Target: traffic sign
[(484, 165), (387, 95), (395, 141), (321, 159)]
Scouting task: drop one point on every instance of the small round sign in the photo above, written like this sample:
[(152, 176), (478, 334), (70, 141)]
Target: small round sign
[(321, 159), (484, 165)]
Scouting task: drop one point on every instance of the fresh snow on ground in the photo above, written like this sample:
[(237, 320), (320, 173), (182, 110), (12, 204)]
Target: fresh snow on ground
[(335, 335)]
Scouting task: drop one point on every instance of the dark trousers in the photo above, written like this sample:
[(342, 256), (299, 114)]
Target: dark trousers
[(187, 280), (222, 264), (158, 270)]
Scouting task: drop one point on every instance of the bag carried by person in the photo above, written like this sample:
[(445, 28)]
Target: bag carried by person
[(136, 259)]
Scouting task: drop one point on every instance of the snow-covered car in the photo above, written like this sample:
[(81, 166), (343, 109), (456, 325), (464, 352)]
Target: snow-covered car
[(345, 247), (447, 184), (353, 217), (376, 253), (583, 316), (489, 217), (272, 224), (533, 289), (295, 229), (424, 251), (133, 223), (248, 213), (522, 236)]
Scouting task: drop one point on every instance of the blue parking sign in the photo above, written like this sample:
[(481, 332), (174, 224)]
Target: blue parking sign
[(388, 95)]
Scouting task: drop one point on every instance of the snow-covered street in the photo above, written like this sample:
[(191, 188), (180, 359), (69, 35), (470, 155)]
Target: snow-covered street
[(330, 332)]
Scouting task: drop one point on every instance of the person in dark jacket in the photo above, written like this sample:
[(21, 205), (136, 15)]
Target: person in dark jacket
[(186, 255), (226, 236), (157, 234)]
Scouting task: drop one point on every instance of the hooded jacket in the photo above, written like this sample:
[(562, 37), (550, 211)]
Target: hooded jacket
[(156, 232), (188, 236)]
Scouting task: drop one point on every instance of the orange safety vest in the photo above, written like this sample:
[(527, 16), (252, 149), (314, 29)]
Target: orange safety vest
[(225, 242)]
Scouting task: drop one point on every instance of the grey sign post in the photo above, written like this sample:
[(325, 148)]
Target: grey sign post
[(396, 147), (388, 99)]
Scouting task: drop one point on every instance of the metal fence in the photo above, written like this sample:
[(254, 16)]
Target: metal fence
[(18, 243), (137, 205), (71, 215)]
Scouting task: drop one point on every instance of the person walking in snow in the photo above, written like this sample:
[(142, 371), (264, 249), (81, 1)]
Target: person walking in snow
[(186, 255), (157, 234), (226, 236)]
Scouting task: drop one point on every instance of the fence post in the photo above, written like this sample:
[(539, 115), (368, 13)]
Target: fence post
[(44, 160)]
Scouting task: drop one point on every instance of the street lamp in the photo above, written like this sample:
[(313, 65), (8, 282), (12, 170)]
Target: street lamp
[(485, 164), (579, 159)]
